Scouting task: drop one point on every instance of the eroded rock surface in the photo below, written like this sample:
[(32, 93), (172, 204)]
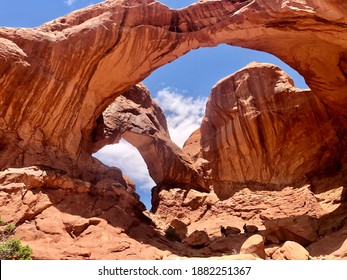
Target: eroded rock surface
[(273, 152), (58, 78), (65, 218), (255, 121), (137, 118), (263, 161)]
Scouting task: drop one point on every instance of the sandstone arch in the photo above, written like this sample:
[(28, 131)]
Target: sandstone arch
[(58, 78), (137, 118)]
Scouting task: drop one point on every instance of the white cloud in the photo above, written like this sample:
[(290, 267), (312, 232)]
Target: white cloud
[(126, 157), (69, 2), (183, 114)]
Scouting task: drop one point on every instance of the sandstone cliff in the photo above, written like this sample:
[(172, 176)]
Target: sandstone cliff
[(261, 138), (65, 73), (255, 121)]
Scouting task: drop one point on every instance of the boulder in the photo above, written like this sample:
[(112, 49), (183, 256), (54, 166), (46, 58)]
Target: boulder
[(291, 250), (224, 245), (197, 238), (254, 245), (301, 229), (180, 228)]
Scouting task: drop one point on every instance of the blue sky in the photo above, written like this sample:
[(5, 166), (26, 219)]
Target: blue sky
[(181, 87)]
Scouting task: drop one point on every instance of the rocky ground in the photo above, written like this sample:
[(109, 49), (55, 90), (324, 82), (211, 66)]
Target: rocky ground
[(72, 220)]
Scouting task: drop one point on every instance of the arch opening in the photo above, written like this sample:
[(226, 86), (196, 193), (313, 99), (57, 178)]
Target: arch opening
[(181, 88), (195, 73), (174, 4), (125, 156)]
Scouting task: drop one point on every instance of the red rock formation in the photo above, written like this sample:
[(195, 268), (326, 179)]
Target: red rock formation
[(255, 121), (66, 72), (56, 81), (64, 218), (140, 121)]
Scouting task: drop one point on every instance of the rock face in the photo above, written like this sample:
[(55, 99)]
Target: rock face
[(332, 246), (255, 121), (302, 229), (64, 218), (57, 79), (265, 151), (65, 73)]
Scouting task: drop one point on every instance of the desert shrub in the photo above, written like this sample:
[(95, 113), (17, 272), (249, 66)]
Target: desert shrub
[(2, 222), (12, 249), (172, 235), (9, 229)]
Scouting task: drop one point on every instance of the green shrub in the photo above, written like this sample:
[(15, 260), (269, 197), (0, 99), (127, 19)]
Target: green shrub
[(12, 249), (9, 229)]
